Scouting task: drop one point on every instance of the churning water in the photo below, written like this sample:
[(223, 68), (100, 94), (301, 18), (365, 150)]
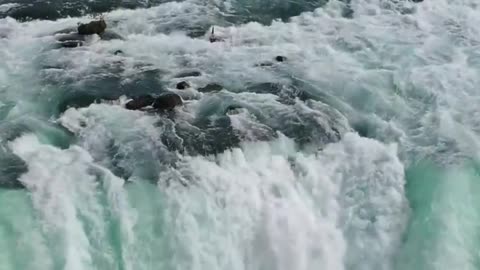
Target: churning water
[(360, 152)]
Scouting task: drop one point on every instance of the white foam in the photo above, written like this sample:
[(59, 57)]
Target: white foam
[(7, 7), (64, 187), (250, 206), (413, 74)]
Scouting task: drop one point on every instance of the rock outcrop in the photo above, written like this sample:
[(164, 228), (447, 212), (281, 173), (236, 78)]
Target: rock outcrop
[(93, 27), (211, 87), (140, 102), (167, 101), (182, 85), (278, 58), (71, 44), (193, 73), (68, 38), (110, 35)]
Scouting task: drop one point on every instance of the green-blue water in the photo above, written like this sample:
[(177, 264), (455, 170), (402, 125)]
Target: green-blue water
[(359, 152)]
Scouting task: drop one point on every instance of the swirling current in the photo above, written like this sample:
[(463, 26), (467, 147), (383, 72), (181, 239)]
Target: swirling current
[(314, 135)]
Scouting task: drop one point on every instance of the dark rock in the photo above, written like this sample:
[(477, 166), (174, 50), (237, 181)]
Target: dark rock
[(212, 38), (71, 40), (33, 10), (231, 108), (207, 136), (278, 58), (193, 73), (117, 52), (140, 102), (71, 44), (71, 37), (182, 85), (265, 88), (264, 64), (76, 100), (93, 27), (110, 35), (167, 101), (66, 31), (286, 93), (211, 87), (11, 169)]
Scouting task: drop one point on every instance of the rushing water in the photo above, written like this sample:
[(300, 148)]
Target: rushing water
[(360, 152)]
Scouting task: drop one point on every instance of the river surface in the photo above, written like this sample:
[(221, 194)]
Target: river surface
[(359, 152)]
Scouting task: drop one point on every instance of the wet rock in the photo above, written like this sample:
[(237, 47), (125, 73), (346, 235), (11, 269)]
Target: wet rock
[(117, 52), (75, 100), (71, 44), (93, 27), (11, 169), (264, 64), (193, 73), (71, 40), (81, 99), (213, 38), (207, 136), (211, 87), (182, 85), (32, 10), (265, 88), (71, 37), (140, 102), (233, 109), (286, 93), (66, 31), (167, 101), (278, 58), (110, 35)]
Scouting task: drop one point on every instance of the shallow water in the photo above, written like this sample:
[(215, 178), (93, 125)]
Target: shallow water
[(358, 152)]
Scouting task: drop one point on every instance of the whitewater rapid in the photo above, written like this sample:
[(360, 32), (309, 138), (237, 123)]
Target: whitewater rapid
[(373, 166)]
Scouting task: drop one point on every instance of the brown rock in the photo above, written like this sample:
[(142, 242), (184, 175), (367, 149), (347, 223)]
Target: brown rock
[(167, 101), (93, 27), (140, 102)]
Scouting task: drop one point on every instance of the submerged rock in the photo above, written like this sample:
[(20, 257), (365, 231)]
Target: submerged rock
[(71, 44), (71, 37), (193, 73), (264, 64), (167, 101), (214, 38), (75, 100), (278, 58), (71, 40), (140, 102), (93, 27), (233, 109), (110, 35), (182, 85), (211, 87), (66, 31)]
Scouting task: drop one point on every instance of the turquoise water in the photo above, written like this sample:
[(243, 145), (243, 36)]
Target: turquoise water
[(358, 152)]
